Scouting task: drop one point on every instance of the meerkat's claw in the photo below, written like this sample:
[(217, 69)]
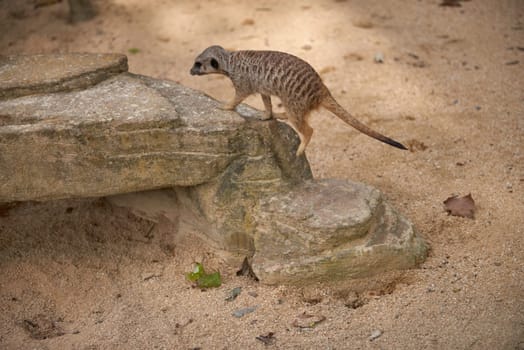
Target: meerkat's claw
[(266, 116), (226, 107)]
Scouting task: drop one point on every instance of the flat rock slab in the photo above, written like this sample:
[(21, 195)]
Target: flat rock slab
[(78, 125), (331, 230), (32, 74)]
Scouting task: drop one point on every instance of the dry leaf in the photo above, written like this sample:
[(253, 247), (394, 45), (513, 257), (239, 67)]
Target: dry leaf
[(42, 327), (327, 69), (246, 270), (267, 339), (460, 206), (248, 22), (352, 56), (451, 3), (364, 24)]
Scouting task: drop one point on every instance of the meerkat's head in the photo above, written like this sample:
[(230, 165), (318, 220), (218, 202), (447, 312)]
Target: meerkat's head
[(212, 60)]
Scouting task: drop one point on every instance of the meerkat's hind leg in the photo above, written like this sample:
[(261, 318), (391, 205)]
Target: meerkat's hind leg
[(280, 116), (305, 137), (304, 132), (268, 113)]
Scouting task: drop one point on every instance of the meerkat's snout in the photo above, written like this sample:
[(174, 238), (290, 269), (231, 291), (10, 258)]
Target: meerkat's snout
[(196, 70), (206, 65)]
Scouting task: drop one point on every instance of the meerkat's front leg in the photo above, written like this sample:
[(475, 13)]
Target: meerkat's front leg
[(231, 105)]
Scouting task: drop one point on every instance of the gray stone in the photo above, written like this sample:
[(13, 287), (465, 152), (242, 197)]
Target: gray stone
[(32, 74), (131, 133), (242, 312), (331, 230), (95, 130)]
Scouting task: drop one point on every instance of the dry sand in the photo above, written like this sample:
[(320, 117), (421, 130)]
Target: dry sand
[(85, 275)]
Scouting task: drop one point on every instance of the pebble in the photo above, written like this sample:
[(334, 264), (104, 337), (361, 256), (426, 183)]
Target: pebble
[(242, 312), (375, 334), (233, 293), (379, 57)]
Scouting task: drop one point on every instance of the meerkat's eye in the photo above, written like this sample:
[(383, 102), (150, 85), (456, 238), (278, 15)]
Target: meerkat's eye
[(214, 63)]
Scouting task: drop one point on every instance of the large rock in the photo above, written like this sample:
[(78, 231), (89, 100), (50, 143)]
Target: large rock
[(95, 130), (331, 230), (131, 133), (128, 133)]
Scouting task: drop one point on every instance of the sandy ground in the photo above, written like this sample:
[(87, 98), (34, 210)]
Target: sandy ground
[(82, 274)]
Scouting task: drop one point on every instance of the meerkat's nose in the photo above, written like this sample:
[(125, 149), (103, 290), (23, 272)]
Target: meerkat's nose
[(196, 69)]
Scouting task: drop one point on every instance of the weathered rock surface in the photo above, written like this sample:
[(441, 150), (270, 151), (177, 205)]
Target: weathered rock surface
[(331, 230), (32, 74), (131, 133), (94, 130)]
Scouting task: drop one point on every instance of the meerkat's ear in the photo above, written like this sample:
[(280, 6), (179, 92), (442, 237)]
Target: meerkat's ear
[(214, 63)]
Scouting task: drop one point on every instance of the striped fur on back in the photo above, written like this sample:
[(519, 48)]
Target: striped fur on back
[(273, 73)]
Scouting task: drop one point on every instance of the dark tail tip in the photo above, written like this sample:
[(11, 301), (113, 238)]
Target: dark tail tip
[(394, 143)]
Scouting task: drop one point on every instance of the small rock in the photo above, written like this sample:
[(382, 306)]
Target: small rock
[(375, 334), (305, 320), (379, 57), (233, 293), (353, 300), (242, 312)]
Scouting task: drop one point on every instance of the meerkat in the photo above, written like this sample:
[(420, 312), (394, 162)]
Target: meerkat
[(274, 73)]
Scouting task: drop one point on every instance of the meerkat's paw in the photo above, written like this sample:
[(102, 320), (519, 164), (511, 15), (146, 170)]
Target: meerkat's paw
[(266, 115), (227, 107), (300, 150), (281, 116)]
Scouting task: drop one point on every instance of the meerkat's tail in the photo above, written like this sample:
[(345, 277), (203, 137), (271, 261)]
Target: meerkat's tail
[(332, 105)]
